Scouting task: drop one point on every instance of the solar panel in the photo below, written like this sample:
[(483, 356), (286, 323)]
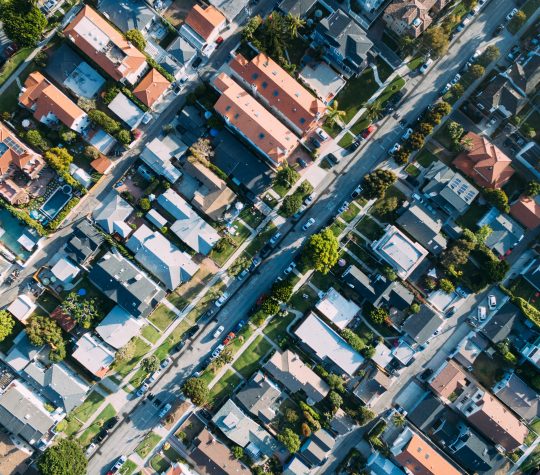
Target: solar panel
[(14, 146)]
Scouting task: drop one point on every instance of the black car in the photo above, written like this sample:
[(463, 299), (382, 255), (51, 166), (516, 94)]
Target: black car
[(101, 435), (191, 331), (354, 145), (111, 422), (332, 158), (178, 347), (266, 250)]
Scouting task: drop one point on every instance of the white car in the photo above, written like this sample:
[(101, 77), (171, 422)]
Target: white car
[(456, 79), (446, 88), (166, 362), (482, 313), (165, 410), (512, 14), (275, 238), (118, 465), (426, 65), (343, 207), (221, 300), (217, 351), (394, 149), (308, 224), (309, 199), (289, 269), (218, 331), (492, 122), (357, 191), (322, 134), (90, 449), (492, 302), (407, 134)]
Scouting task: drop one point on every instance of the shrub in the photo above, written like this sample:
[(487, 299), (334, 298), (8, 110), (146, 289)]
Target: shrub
[(102, 120), (136, 38)]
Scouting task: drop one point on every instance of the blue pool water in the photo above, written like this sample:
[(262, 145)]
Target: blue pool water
[(13, 229), (56, 201)]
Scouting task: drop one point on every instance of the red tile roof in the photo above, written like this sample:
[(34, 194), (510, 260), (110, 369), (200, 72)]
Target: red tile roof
[(527, 211), (280, 90), (151, 87), (485, 163), (101, 164), (18, 154), (205, 20), (104, 44), (249, 116), (448, 380)]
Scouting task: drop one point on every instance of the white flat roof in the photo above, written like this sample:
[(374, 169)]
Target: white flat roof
[(93, 355), (326, 343), (382, 355), (118, 327), (403, 352), (337, 308), (64, 270), (21, 308), (323, 80), (84, 81), (126, 110)]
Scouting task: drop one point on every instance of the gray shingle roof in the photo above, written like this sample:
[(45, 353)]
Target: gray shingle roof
[(127, 14), (421, 326), (423, 227)]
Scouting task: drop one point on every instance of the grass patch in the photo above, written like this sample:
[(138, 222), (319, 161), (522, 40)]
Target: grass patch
[(138, 378), (472, 216), (150, 333), (13, 63), (321, 281), (276, 330), (87, 436), (412, 170), (252, 216), (337, 227), (88, 407), (128, 468), (425, 158), (304, 299), (248, 362), (224, 387), (261, 239), (346, 140), (356, 93), (178, 300), (225, 248), (362, 254), (159, 464), (332, 129), (162, 317), (383, 68), (415, 63), (123, 368), (369, 228), (147, 445), (350, 213)]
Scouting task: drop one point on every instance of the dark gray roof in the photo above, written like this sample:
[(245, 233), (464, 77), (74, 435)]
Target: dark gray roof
[(423, 228), (396, 296), (181, 50), (506, 233), (519, 397), (317, 447), (421, 326), (296, 7), (500, 325), (533, 274), (84, 242), (259, 397), (500, 93), (527, 76), (127, 14), (63, 63)]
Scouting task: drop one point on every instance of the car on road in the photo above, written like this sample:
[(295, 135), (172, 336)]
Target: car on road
[(302, 162), (166, 362), (395, 148), (309, 199), (100, 437), (456, 79), (356, 192), (498, 30), (426, 65), (239, 326), (512, 14), (298, 214), (407, 134), (354, 146), (90, 449), (275, 238), (481, 312), (255, 262), (343, 207), (218, 331), (165, 410), (492, 302), (222, 299), (111, 422), (117, 465), (332, 158), (310, 222)]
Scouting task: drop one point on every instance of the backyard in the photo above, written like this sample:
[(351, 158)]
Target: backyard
[(521, 288), (304, 299)]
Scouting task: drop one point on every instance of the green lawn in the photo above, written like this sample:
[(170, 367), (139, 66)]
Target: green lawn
[(276, 330), (304, 299), (88, 407), (349, 214), (337, 227), (150, 333), (178, 300), (369, 228), (383, 68), (332, 129), (87, 436), (252, 216), (472, 216), (162, 317), (138, 378), (363, 254), (48, 301), (322, 281), (159, 464), (147, 445), (248, 362), (356, 93), (13, 63), (260, 240), (224, 249), (224, 387), (412, 170), (123, 368), (346, 140), (128, 468), (425, 158), (415, 63)]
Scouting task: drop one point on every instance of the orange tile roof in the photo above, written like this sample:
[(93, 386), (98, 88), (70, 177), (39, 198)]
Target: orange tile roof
[(422, 459), (152, 86), (101, 164), (280, 89), (15, 156), (44, 98), (204, 20), (485, 163), (527, 211), (94, 35), (249, 116), (449, 379)]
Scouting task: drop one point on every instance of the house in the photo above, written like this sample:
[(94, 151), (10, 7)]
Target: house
[(296, 466), (22, 307), (279, 91), (182, 52), (249, 118), (525, 77), (16, 157), (245, 432), (346, 43), (125, 284), (484, 163), (290, 371), (202, 26), (370, 6), (500, 96), (296, 7), (324, 81), (419, 223), (65, 271), (126, 110), (337, 309), (212, 457), (448, 190), (231, 8), (260, 397), (372, 386), (500, 326), (327, 345), (118, 327), (531, 352), (84, 242), (421, 326), (447, 429), (51, 106), (481, 409), (93, 355), (529, 157), (378, 464), (518, 396), (128, 14), (159, 154), (505, 232), (411, 17), (403, 255), (151, 88), (162, 258), (318, 447), (526, 210), (418, 457), (106, 46), (24, 415), (189, 226), (112, 215), (102, 164), (212, 197), (532, 274), (469, 349)]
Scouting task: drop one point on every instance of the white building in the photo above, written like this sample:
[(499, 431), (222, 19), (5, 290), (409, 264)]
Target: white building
[(158, 155), (337, 308)]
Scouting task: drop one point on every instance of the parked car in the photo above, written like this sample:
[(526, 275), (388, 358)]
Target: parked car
[(332, 158), (219, 40), (309, 199), (197, 62), (142, 389), (147, 117), (191, 331), (456, 79), (222, 299), (491, 122), (218, 331), (395, 148), (100, 437), (111, 422), (166, 362), (165, 410), (308, 224), (322, 134), (302, 162), (239, 326), (356, 192), (229, 338), (10, 50), (481, 312), (512, 14), (275, 238), (90, 449), (446, 88), (343, 207), (117, 465), (368, 131), (426, 65), (265, 251), (217, 351), (289, 269), (179, 346), (407, 134), (492, 302), (255, 262), (243, 274), (298, 214)]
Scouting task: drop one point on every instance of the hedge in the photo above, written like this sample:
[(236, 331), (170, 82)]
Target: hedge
[(24, 216), (53, 225), (152, 62), (528, 310)]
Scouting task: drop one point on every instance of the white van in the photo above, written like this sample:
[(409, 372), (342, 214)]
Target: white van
[(482, 313)]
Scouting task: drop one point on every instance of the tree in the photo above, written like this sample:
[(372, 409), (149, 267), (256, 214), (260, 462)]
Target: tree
[(294, 23), (144, 204), (68, 136), (110, 94), (436, 40), (401, 157), (270, 306), (150, 364), (306, 430), (238, 452), (386, 206), (322, 251), (91, 152), (443, 108), (456, 255), (336, 382), (497, 198), (66, 457), (466, 143), (353, 339), (290, 440), (434, 118), (58, 158), (136, 38), (446, 286), (335, 399), (390, 273), (491, 54), (334, 115), (287, 176), (83, 310), (416, 141), (251, 26), (102, 120), (455, 131), (126, 353), (291, 416), (291, 204), (414, 308), (374, 111), (398, 419), (196, 390), (425, 128), (124, 136), (23, 21), (495, 270), (532, 189), (376, 183), (202, 150), (477, 71), (482, 234), (282, 290), (517, 22), (378, 315), (6, 324), (305, 188), (45, 331), (36, 140)]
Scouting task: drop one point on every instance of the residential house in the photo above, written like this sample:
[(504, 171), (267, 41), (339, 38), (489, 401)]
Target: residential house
[(22, 307), (93, 355), (232, 9), (159, 154), (279, 91), (318, 447), (64, 271), (260, 397), (378, 464), (346, 43), (245, 432), (296, 466), (290, 371), (213, 457), (212, 197), (16, 157), (162, 258), (156, 219), (118, 327), (469, 349), (258, 126), (422, 226), (448, 190), (502, 324), (189, 226), (126, 110), (531, 352), (337, 309), (151, 88), (126, 284), (327, 345), (411, 17), (112, 215), (518, 396), (505, 232), (102, 164), (106, 46), (84, 242), (480, 408), (403, 255), (421, 326), (526, 210), (182, 52), (128, 14), (532, 274), (448, 430), (499, 96), (372, 386), (525, 77), (323, 80), (418, 457), (51, 106), (202, 26), (296, 7), (24, 415), (529, 157), (485, 163)]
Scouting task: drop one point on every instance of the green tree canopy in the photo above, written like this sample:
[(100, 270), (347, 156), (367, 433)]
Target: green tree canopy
[(376, 183), (532, 189), (476, 71), (290, 440), (282, 290), (23, 21), (497, 198), (36, 140), (287, 177), (150, 363), (322, 251), (45, 331), (336, 382), (196, 390), (378, 315), (491, 54), (6, 324), (455, 131), (517, 22), (136, 38), (446, 286), (436, 40), (66, 457), (58, 158), (102, 120), (124, 136)]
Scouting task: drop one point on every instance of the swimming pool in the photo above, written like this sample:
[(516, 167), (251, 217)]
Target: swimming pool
[(56, 201), (11, 230)]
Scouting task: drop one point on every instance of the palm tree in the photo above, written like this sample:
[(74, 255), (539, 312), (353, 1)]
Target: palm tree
[(294, 23), (333, 114), (374, 111), (398, 420)]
